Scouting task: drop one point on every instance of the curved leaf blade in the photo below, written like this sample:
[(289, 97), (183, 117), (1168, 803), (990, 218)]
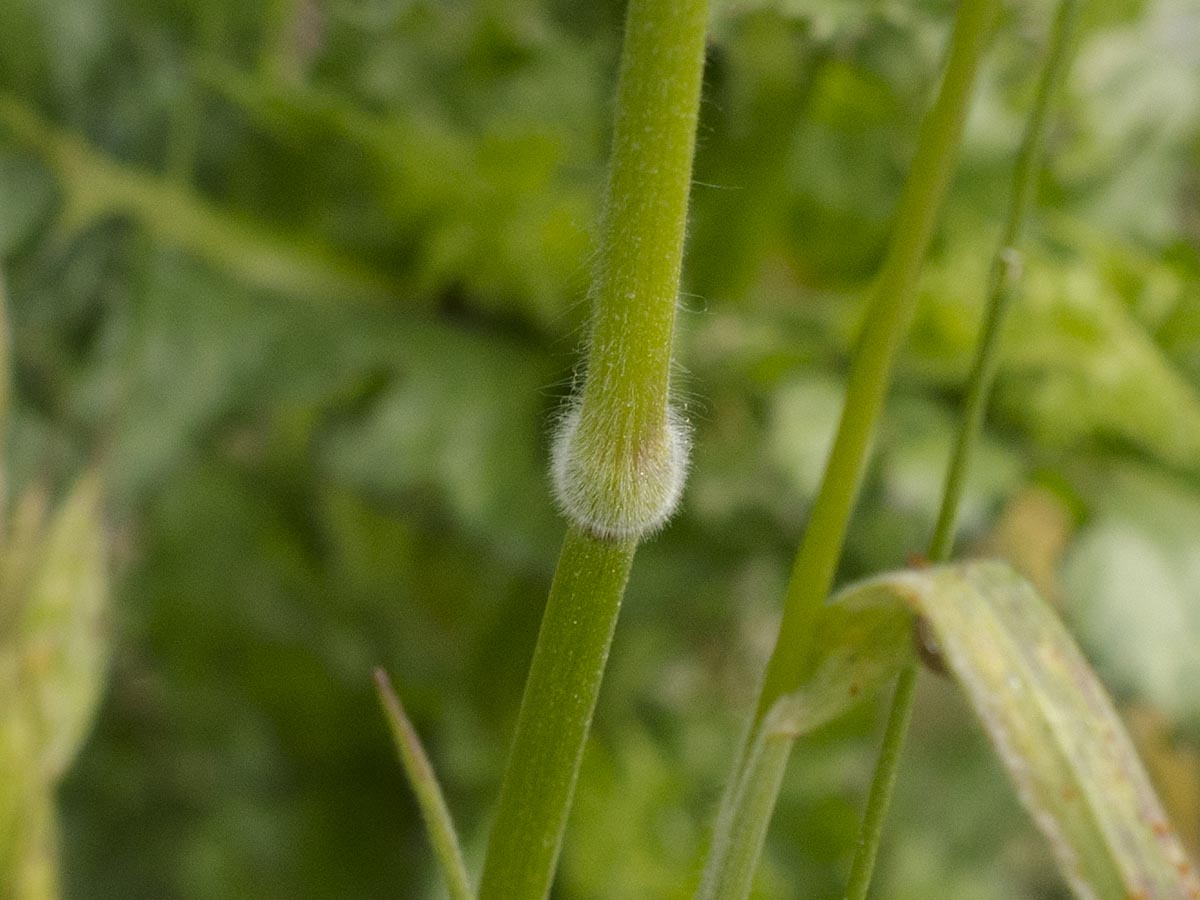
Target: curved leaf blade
[(1053, 725), (62, 632), (438, 823), (1045, 711)]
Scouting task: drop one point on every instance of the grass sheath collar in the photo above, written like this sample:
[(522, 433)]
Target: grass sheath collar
[(619, 482), (620, 457)]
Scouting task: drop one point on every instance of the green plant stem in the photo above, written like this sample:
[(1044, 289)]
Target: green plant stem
[(637, 280), (564, 681), (883, 783), (888, 318), (1003, 278), (745, 821), (620, 455), (624, 412)]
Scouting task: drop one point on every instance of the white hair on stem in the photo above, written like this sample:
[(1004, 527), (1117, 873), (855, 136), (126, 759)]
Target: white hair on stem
[(617, 495)]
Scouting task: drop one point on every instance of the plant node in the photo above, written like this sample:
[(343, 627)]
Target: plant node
[(618, 486)]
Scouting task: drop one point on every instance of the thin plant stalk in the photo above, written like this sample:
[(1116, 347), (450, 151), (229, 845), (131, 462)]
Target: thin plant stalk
[(744, 821), (883, 784), (620, 450), (888, 317), (889, 314), (1004, 276), (556, 712), (434, 811)]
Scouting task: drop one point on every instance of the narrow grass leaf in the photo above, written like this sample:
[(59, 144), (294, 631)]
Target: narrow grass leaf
[(1053, 725), (438, 823), (1045, 711)]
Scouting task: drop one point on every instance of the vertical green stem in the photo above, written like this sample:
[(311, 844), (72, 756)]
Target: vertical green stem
[(742, 828), (619, 456), (883, 783), (888, 318), (1005, 272), (557, 709), (637, 281)]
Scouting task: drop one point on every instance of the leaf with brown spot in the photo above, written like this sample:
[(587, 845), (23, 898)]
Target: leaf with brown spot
[(1051, 721)]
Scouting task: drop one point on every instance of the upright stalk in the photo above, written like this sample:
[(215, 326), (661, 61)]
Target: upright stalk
[(889, 314), (1002, 284), (888, 317), (620, 453)]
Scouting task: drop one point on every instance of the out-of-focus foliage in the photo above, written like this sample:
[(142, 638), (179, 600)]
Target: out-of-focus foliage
[(306, 278), (54, 651)]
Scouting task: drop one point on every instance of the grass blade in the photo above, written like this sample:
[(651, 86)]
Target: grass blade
[(1054, 727), (1042, 706), (420, 774)]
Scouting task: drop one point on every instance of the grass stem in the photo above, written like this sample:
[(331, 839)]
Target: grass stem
[(1005, 273), (620, 454), (887, 319)]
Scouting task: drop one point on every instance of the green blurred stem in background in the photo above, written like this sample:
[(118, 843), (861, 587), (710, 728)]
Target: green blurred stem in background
[(888, 317), (887, 320), (95, 186), (1002, 285), (622, 440)]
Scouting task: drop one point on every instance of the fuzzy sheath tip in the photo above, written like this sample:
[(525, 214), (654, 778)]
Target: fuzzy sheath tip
[(618, 495)]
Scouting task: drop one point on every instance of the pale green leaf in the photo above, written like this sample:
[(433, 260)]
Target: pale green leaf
[(1054, 727), (62, 633), (1045, 711), (424, 783)]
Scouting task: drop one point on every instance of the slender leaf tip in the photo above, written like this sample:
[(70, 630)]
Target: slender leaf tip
[(438, 823)]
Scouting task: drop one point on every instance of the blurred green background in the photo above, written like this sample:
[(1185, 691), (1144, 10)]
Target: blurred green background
[(306, 279)]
